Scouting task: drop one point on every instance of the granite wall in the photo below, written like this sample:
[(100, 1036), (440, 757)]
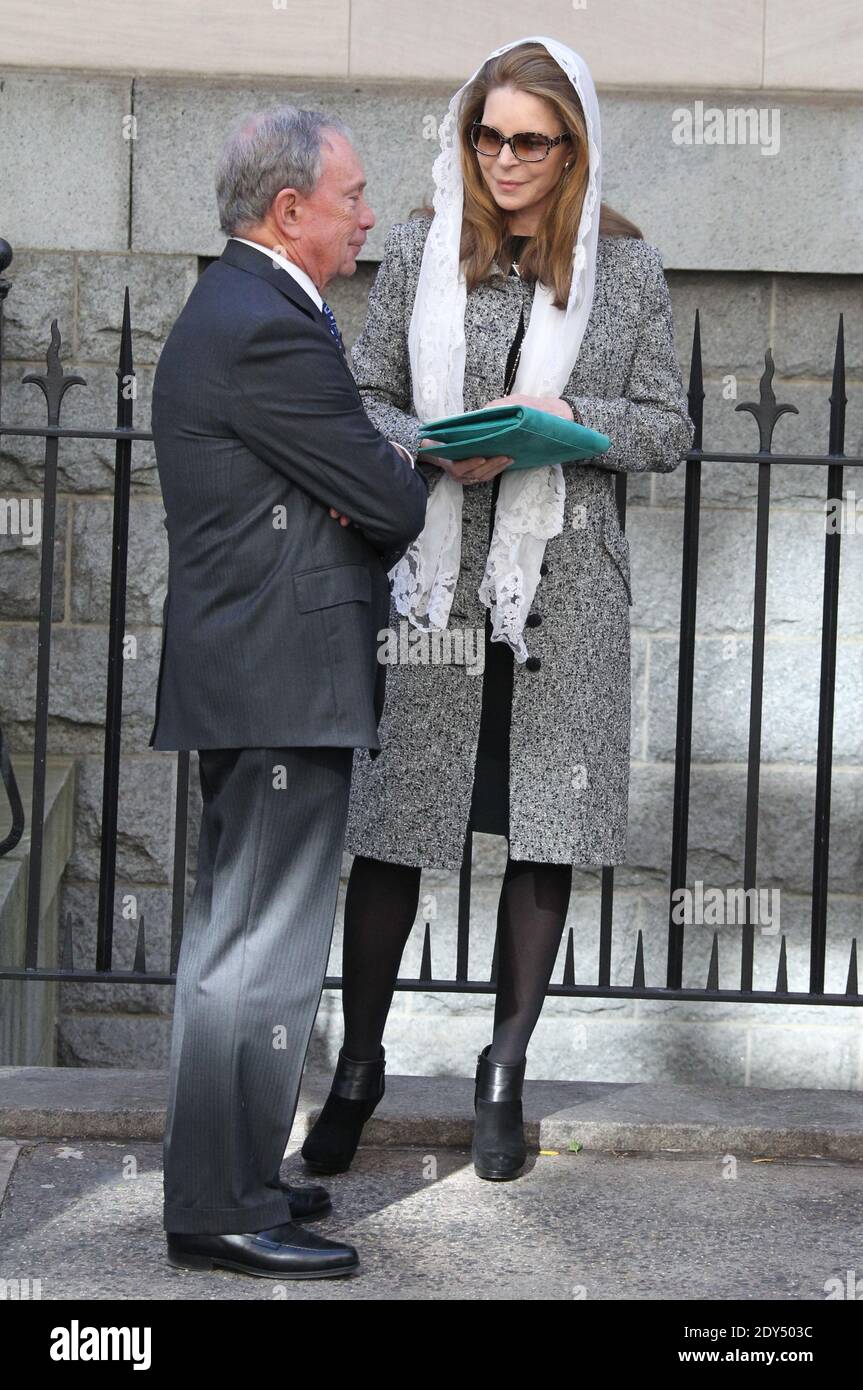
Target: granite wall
[(106, 182)]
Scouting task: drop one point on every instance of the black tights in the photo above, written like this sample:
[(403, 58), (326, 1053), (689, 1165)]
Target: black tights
[(380, 909)]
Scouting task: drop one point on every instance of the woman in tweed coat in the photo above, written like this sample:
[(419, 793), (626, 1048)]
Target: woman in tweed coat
[(569, 718)]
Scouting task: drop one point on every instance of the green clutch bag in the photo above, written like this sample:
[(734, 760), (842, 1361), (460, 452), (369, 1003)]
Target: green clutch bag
[(533, 438)]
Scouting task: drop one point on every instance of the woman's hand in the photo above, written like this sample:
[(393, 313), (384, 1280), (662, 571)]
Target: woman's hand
[(553, 405), (471, 470)]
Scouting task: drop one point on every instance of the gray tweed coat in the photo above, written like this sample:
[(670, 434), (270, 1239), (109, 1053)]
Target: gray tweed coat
[(570, 730)]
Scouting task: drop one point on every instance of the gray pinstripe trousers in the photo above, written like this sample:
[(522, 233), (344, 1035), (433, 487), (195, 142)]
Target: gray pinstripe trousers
[(249, 979)]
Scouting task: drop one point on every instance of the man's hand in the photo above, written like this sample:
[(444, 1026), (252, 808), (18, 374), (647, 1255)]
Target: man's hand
[(471, 470), (343, 520)]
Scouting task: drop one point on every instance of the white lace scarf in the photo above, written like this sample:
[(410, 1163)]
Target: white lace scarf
[(530, 505)]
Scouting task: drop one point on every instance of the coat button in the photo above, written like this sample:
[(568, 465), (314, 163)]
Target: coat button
[(533, 620), (543, 569), (533, 663)]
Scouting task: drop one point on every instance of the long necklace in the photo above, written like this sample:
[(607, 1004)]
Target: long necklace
[(513, 373), (507, 390)]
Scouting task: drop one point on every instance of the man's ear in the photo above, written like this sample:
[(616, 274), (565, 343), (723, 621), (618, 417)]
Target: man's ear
[(288, 210)]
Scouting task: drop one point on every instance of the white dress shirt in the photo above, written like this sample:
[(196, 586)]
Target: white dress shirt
[(306, 283)]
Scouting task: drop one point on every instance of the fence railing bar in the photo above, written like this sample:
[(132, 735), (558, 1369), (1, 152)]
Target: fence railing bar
[(606, 919), (713, 967), (569, 960), (782, 970), (805, 460), (73, 432), (139, 966), (638, 972), (450, 986), (827, 688), (40, 741), (116, 636), (686, 663), (5, 286), (766, 412), (756, 705), (851, 987), (426, 960), (53, 383), (463, 928), (691, 456)]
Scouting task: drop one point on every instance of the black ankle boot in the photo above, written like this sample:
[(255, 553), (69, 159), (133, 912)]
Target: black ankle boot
[(356, 1089), (499, 1150)]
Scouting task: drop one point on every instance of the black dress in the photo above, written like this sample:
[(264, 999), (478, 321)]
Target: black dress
[(489, 811)]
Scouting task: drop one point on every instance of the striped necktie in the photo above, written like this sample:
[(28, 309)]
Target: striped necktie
[(331, 324)]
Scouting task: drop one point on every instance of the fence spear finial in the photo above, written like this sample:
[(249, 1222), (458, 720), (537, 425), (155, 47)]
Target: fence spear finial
[(766, 411)]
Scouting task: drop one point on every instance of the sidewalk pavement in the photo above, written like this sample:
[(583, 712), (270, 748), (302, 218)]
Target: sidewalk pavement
[(677, 1193)]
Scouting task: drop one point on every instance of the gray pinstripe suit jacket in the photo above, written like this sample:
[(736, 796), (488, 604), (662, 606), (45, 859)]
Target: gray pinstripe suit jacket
[(272, 607)]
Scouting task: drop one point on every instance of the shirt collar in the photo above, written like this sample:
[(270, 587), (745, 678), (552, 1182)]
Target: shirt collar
[(303, 280)]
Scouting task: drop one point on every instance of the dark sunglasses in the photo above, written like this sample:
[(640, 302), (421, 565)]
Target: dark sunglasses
[(528, 145)]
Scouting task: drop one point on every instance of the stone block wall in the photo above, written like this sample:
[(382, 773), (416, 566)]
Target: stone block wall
[(89, 210)]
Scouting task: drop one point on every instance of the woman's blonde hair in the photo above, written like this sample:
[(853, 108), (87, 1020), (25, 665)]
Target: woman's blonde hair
[(484, 239)]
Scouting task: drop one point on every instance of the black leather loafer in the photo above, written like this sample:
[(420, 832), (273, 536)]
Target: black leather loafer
[(307, 1202), (283, 1252)]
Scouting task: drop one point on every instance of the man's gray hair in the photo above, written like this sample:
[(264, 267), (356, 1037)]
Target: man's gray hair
[(279, 148)]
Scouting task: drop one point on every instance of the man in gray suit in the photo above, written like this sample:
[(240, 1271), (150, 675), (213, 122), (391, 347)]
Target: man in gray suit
[(285, 508)]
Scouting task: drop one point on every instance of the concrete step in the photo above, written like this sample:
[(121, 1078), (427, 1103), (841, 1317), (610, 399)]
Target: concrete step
[(102, 1103)]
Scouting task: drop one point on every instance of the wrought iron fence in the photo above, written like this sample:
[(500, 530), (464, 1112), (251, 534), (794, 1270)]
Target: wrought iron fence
[(55, 382)]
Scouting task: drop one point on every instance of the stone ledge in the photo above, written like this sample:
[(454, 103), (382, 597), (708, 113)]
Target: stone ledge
[(102, 1103)]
